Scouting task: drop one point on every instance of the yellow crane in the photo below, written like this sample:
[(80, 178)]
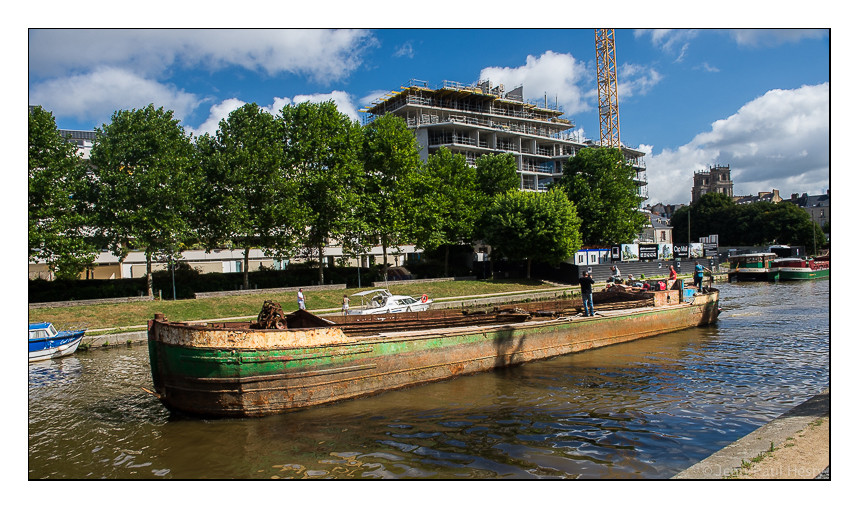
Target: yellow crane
[(607, 87)]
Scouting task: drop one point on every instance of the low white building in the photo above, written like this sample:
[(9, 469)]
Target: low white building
[(107, 266)]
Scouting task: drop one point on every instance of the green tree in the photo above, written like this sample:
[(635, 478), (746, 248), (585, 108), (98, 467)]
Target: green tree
[(322, 153), (391, 161), (600, 182), (142, 164), (57, 213), (446, 202), (497, 173), (533, 226), (247, 199), (712, 213), (759, 223), (783, 223)]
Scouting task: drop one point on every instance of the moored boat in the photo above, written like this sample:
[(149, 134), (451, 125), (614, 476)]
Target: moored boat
[(381, 301), (752, 267), (45, 342), (802, 268), (236, 369)]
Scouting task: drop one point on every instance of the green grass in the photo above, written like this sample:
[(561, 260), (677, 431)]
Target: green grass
[(124, 315)]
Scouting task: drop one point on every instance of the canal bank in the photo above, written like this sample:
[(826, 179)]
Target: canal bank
[(794, 446)]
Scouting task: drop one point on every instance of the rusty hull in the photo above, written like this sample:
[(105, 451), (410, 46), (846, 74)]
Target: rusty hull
[(240, 372)]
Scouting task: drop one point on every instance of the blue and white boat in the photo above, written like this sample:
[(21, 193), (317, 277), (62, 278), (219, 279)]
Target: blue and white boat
[(46, 342)]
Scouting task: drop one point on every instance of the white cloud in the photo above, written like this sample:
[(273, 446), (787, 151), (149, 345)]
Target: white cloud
[(636, 80), (708, 68), (341, 100), (101, 92), (670, 41), (323, 55), (554, 74), (774, 37), (780, 140), (220, 111), (217, 113), (405, 50)]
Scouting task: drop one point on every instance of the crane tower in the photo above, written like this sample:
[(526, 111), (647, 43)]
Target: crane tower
[(607, 87)]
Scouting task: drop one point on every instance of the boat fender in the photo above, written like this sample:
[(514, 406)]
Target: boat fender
[(424, 298)]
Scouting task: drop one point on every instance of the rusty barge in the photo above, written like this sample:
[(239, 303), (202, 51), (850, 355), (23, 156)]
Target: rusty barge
[(240, 370)]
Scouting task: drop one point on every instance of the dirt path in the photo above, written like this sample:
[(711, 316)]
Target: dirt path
[(801, 456)]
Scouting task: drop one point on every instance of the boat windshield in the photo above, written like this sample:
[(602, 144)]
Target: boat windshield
[(51, 330)]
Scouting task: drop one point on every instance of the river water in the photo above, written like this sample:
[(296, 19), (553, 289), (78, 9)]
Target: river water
[(646, 409)]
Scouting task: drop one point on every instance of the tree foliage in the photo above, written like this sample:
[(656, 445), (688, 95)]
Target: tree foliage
[(322, 153), (600, 182), (246, 197), (756, 224), (533, 226), (391, 162), (447, 202), (57, 213), (142, 163), (497, 173)]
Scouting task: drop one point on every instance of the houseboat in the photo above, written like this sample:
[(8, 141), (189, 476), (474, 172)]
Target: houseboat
[(239, 370), (752, 267), (802, 268)]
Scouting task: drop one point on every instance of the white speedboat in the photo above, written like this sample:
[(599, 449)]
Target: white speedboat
[(382, 301)]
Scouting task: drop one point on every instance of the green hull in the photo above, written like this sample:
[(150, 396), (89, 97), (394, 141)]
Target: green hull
[(803, 274), (219, 372)]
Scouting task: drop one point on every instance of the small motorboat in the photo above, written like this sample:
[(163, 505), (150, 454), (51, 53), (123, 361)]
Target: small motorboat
[(382, 301), (46, 342)]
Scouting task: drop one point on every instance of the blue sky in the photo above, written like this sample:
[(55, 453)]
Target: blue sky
[(756, 99)]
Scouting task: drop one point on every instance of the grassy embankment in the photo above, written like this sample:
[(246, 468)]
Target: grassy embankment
[(131, 315)]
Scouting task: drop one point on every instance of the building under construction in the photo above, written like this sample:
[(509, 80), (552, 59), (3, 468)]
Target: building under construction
[(474, 120)]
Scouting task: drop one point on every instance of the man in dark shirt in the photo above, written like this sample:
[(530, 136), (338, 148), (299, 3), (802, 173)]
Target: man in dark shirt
[(585, 284)]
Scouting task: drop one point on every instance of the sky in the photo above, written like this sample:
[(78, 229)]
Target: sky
[(757, 100)]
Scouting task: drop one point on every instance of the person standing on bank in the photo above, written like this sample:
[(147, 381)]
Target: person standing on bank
[(345, 307), (301, 297), (585, 284)]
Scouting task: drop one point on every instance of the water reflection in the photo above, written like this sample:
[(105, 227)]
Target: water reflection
[(53, 372), (646, 409)]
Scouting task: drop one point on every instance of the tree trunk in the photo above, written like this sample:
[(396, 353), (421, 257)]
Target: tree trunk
[(384, 252), (322, 276), (528, 269), (447, 248), (245, 269), (148, 274)]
